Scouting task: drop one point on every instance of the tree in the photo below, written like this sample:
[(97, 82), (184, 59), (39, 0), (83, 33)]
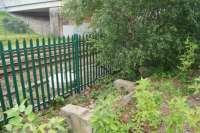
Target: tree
[(148, 33)]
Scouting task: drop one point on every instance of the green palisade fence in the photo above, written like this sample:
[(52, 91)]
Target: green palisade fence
[(41, 70)]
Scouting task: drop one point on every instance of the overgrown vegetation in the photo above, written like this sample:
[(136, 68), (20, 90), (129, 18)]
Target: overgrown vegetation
[(15, 26), (181, 115), (139, 38), (148, 105), (12, 25), (21, 119), (188, 58), (143, 34), (154, 108), (111, 118)]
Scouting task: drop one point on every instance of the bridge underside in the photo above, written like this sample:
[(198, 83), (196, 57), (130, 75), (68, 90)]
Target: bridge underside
[(42, 17), (35, 12), (45, 21)]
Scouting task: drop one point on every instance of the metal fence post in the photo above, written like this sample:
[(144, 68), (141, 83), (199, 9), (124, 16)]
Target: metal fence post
[(75, 58)]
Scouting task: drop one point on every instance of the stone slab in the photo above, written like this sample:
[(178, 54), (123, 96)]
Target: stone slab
[(124, 85), (78, 118)]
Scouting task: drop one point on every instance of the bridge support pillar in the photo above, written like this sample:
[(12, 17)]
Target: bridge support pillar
[(55, 21)]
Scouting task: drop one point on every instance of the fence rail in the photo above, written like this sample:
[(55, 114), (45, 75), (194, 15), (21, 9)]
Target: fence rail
[(42, 70)]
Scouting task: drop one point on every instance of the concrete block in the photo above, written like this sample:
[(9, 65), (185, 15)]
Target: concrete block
[(78, 118), (124, 85)]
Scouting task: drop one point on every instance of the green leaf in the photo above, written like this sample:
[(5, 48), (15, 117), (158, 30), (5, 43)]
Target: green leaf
[(113, 127), (31, 117), (12, 113), (16, 121), (61, 128), (42, 128), (29, 110), (22, 108)]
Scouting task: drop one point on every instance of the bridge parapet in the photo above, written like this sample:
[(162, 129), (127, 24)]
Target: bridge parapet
[(8, 3), (24, 5)]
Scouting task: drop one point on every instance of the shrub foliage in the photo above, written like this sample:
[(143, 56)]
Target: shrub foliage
[(15, 26), (141, 32)]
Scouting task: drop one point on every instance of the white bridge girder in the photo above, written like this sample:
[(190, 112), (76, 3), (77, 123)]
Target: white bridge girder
[(24, 5), (35, 6)]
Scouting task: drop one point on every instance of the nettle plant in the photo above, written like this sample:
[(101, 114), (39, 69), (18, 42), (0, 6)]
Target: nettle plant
[(105, 119), (180, 115), (148, 106), (167, 88), (187, 59), (195, 85), (22, 119)]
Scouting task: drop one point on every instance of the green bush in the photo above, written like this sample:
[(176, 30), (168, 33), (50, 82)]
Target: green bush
[(140, 32), (15, 26)]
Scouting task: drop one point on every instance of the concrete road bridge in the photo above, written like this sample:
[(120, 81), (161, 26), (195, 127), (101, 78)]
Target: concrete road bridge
[(43, 16)]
